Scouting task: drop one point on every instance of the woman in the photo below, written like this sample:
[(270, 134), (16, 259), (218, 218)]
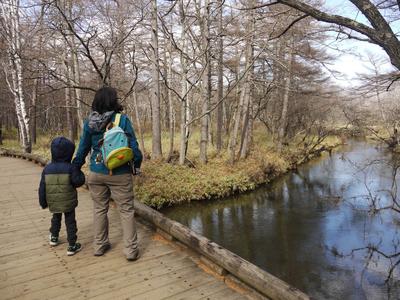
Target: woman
[(102, 185)]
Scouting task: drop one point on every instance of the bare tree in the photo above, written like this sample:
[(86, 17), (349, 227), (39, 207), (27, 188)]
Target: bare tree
[(379, 31)]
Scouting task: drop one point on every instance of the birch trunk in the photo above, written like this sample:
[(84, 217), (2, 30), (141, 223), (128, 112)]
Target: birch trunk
[(10, 14), (155, 97)]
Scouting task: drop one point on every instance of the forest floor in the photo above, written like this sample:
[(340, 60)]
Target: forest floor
[(163, 184)]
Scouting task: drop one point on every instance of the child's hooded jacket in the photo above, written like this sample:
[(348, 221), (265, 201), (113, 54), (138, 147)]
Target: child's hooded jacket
[(60, 178)]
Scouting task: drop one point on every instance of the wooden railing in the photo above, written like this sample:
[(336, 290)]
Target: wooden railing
[(228, 263)]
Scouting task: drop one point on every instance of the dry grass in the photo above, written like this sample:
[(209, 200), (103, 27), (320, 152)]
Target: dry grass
[(163, 184)]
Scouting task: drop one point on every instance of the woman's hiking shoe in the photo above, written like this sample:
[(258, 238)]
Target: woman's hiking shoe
[(53, 240), (134, 256), (71, 250), (103, 249)]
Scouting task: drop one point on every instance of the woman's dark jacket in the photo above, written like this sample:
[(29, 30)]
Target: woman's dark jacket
[(90, 141), (60, 178)]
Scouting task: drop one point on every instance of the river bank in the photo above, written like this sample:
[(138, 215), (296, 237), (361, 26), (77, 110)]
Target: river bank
[(165, 184), (314, 228)]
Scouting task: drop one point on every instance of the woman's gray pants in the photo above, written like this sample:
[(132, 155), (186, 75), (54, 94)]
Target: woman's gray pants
[(119, 188)]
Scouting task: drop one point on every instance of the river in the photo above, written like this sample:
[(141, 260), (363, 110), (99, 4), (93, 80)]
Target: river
[(313, 228)]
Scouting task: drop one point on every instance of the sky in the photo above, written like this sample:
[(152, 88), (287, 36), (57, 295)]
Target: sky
[(350, 65)]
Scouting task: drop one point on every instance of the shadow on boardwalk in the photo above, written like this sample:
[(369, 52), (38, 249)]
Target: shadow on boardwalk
[(31, 269)]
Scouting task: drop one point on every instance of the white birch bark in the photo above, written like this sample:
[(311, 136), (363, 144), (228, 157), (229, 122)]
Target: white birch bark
[(10, 14)]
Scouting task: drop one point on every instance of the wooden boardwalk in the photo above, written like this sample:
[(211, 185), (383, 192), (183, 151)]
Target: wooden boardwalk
[(31, 269)]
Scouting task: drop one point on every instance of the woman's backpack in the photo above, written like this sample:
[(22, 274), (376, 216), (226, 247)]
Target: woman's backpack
[(115, 149)]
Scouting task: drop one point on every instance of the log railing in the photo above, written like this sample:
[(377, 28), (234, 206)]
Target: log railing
[(229, 263)]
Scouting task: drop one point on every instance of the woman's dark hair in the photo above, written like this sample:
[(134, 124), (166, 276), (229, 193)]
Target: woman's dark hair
[(106, 100)]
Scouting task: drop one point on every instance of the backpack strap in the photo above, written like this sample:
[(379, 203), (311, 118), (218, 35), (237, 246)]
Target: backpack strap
[(117, 119)]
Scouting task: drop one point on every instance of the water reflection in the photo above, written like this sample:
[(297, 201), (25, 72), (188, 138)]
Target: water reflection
[(307, 226)]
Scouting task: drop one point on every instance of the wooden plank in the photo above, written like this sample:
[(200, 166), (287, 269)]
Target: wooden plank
[(225, 293), (134, 289), (180, 285), (201, 291)]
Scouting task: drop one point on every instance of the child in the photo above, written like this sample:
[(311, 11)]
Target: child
[(57, 191)]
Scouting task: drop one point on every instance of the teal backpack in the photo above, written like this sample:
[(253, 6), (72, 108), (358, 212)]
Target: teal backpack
[(115, 149)]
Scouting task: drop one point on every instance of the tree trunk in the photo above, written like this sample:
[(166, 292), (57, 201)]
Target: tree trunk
[(247, 88), (247, 127), (237, 116), (139, 127), (220, 92), (33, 110), (76, 75), (68, 100), (74, 71), (10, 14), (206, 83), (1, 130), (155, 97), (286, 95), (235, 131), (243, 108), (185, 113), (171, 111)]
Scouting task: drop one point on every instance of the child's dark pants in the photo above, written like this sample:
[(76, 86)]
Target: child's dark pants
[(70, 223)]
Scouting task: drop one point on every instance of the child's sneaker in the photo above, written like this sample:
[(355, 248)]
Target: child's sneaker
[(71, 250), (53, 240)]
